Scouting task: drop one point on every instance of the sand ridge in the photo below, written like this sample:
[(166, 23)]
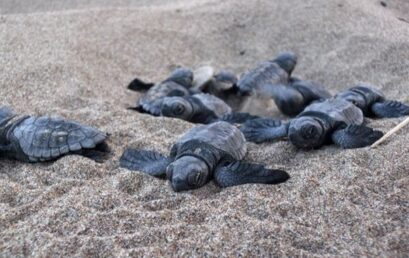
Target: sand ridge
[(75, 61)]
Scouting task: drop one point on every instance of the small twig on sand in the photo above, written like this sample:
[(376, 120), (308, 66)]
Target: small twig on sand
[(401, 19), (391, 132)]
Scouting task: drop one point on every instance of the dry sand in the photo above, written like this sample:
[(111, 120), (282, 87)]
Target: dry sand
[(74, 59)]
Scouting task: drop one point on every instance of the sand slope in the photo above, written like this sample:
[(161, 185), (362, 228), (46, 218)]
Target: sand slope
[(76, 59)]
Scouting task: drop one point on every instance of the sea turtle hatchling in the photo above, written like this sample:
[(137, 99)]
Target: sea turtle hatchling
[(262, 79), (34, 139), (373, 103), (201, 108), (204, 152), (332, 120), (178, 83)]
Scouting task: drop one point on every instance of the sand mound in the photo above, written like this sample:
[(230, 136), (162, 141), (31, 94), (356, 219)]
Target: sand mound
[(75, 60)]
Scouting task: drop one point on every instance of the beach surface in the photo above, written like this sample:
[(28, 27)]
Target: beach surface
[(75, 58)]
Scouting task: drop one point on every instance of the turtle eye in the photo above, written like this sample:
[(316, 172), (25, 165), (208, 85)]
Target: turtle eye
[(311, 131), (179, 109), (194, 178)]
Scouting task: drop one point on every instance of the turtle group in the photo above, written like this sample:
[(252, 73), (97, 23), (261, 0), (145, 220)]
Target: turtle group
[(216, 148)]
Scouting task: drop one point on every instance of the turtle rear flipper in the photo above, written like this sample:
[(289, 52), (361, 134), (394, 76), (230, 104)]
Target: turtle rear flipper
[(149, 162), (287, 61), (238, 118), (390, 108), (239, 172), (139, 85), (355, 136), (263, 130)]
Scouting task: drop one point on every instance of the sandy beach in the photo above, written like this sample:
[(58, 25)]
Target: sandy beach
[(75, 58)]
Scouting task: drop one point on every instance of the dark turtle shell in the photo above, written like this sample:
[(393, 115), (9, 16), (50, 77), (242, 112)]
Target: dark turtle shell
[(221, 135), (338, 109)]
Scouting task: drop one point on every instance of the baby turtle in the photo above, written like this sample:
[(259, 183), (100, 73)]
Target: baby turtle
[(201, 108), (34, 139), (373, 103), (262, 79), (177, 84), (291, 99), (204, 152), (335, 120)]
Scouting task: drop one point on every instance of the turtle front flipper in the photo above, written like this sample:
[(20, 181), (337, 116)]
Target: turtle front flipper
[(5, 114), (239, 172), (355, 136), (238, 118), (390, 108), (139, 85), (138, 108), (44, 138), (264, 130), (288, 99), (149, 162)]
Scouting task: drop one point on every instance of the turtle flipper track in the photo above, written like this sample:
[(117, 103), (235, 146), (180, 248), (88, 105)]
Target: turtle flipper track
[(264, 130), (149, 162), (238, 118), (239, 172), (355, 136), (139, 85), (44, 138), (390, 108)]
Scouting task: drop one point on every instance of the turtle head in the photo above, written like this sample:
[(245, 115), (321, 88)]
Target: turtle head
[(178, 107), (287, 61), (182, 76), (187, 173), (306, 132), (353, 97)]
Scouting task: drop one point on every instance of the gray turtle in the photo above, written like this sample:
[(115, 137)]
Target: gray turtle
[(372, 102), (333, 120), (291, 99), (201, 108), (204, 152), (262, 79), (177, 84), (34, 139)]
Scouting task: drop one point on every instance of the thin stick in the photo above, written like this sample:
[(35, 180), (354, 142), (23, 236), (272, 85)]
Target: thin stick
[(393, 131)]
